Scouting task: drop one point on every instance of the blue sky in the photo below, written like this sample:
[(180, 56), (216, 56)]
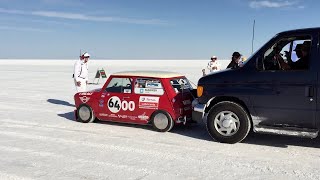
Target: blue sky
[(145, 29)]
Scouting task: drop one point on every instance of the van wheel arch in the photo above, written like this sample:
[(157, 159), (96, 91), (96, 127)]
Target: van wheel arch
[(219, 99)]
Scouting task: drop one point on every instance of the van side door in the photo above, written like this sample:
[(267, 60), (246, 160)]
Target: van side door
[(289, 99)]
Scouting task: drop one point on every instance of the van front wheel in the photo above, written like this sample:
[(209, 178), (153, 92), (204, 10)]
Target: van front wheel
[(228, 122)]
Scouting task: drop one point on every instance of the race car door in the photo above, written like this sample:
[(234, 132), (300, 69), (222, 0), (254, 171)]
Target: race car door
[(148, 93), (116, 103)]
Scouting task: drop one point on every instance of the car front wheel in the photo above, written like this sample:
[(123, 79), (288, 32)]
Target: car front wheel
[(228, 122), (85, 114)]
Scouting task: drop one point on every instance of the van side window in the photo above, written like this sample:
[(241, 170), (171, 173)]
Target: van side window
[(119, 85), (148, 86), (288, 54)]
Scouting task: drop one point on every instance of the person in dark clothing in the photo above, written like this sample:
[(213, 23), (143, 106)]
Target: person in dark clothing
[(302, 51), (303, 62), (234, 60)]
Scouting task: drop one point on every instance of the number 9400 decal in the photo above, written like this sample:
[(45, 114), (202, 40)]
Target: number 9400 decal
[(115, 105)]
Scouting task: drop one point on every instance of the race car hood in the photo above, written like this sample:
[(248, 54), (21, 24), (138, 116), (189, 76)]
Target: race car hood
[(95, 90)]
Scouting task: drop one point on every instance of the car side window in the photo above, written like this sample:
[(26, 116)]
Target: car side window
[(119, 85), (148, 86), (288, 54), (179, 84)]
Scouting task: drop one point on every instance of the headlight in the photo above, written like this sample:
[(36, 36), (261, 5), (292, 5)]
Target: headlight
[(199, 91)]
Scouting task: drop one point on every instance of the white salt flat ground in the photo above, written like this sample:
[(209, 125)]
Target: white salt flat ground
[(40, 140)]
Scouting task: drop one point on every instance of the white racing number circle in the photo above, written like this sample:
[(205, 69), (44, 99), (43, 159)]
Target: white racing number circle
[(114, 104)]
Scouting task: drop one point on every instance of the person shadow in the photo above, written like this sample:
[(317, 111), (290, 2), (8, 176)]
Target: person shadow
[(60, 102), (69, 115)]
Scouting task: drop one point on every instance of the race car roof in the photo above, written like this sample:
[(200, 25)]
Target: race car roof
[(157, 74)]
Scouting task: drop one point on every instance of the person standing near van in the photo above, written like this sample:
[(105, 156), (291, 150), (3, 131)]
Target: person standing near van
[(213, 65), (235, 60), (81, 72)]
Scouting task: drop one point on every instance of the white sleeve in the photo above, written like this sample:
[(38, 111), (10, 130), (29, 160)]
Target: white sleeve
[(218, 66), (209, 66), (77, 71), (87, 77)]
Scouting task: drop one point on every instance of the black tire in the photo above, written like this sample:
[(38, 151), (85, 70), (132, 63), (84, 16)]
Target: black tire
[(85, 114), (162, 121), (239, 125)]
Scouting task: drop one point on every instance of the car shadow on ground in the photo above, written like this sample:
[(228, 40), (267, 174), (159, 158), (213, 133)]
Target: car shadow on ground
[(139, 126), (60, 102), (192, 130), (68, 115)]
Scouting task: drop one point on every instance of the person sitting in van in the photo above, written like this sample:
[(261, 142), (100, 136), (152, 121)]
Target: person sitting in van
[(302, 51), (303, 62), (234, 60)]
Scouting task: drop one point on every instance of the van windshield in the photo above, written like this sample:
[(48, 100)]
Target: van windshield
[(180, 84)]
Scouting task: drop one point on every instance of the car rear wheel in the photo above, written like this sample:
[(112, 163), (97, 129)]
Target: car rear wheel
[(85, 114), (162, 121), (228, 122)]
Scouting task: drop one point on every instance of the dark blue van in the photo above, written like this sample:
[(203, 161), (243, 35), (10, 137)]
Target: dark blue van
[(275, 91)]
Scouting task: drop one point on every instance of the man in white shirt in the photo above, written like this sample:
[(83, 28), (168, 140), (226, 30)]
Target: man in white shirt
[(213, 65), (81, 72)]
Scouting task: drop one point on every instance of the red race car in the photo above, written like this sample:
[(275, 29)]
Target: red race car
[(162, 99)]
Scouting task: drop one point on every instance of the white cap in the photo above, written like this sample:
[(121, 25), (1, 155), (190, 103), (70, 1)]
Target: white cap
[(86, 54), (214, 57)]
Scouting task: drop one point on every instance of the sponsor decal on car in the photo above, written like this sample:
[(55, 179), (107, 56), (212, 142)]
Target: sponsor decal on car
[(151, 91), (101, 101), (148, 102), (108, 115), (186, 102), (143, 116), (84, 99), (127, 91), (122, 116), (113, 116), (153, 85), (132, 117), (85, 94)]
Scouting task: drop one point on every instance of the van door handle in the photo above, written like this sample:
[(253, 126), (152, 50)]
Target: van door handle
[(309, 91)]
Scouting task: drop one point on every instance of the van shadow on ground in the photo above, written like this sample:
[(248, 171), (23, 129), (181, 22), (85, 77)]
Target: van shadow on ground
[(198, 131), (280, 141)]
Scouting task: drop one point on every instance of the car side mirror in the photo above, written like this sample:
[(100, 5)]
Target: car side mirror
[(259, 64)]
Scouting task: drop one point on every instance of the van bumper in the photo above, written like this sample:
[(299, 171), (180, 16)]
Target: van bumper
[(198, 112)]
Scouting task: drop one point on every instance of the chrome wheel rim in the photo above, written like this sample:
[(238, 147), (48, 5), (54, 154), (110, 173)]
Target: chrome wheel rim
[(227, 123), (84, 113), (161, 121)]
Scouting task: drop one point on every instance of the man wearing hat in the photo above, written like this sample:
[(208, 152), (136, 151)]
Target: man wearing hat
[(234, 60), (81, 72), (302, 51), (213, 65)]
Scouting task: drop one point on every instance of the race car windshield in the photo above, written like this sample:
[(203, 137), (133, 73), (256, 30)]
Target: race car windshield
[(180, 84)]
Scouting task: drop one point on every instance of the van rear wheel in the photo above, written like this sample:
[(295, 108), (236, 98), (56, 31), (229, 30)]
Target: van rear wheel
[(162, 121), (228, 122)]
